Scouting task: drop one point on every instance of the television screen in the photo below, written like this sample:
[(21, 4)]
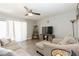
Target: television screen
[(47, 30)]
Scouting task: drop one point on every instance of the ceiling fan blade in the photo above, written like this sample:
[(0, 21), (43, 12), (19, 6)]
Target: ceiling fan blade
[(26, 14), (26, 8), (35, 13)]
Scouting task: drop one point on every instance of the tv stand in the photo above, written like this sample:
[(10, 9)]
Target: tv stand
[(48, 36)]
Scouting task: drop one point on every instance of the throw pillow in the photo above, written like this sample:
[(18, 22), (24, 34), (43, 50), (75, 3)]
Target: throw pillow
[(68, 40)]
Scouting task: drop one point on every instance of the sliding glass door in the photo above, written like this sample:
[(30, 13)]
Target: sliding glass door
[(10, 26), (16, 30), (20, 30), (3, 29)]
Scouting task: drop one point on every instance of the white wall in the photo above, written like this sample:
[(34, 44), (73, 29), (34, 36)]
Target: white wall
[(30, 25), (61, 24)]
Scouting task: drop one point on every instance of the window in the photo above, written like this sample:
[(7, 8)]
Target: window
[(11, 30), (16, 30), (20, 30), (3, 29)]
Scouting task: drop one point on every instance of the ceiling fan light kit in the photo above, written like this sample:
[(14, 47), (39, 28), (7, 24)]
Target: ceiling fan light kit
[(30, 14)]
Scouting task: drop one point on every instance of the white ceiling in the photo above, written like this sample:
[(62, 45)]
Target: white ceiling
[(45, 9)]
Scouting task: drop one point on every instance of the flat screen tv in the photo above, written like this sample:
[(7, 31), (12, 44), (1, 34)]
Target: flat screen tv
[(47, 30)]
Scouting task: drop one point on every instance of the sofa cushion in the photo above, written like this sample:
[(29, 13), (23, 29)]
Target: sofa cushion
[(69, 40), (56, 41), (13, 45), (41, 44)]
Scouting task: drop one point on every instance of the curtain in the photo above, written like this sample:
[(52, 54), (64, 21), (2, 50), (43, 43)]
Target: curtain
[(3, 29), (11, 33), (16, 30), (20, 30)]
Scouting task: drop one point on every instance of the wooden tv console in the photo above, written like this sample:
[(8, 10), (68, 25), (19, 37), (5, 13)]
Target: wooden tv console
[(47, 36)]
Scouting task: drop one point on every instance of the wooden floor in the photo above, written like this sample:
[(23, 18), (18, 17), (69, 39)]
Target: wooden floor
[(28, 48)]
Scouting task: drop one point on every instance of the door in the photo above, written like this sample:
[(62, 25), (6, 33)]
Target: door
[(20, 30)]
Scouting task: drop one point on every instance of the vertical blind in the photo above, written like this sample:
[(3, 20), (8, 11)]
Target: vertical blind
[(20, 30), (16, 30), (11, 30), (3, 29)]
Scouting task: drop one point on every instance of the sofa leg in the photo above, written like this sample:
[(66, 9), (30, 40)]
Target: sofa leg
[(40, 53)]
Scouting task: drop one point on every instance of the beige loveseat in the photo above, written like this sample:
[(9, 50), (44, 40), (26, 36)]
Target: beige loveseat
[(69, 44), (9, 44), (6, 47)]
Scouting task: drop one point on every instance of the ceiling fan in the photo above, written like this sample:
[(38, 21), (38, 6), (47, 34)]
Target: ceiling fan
[(30, 12)]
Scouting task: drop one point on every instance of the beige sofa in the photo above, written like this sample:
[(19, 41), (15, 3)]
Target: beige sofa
[(8, 44), (5, 45), (6, 52), (69, 44)]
